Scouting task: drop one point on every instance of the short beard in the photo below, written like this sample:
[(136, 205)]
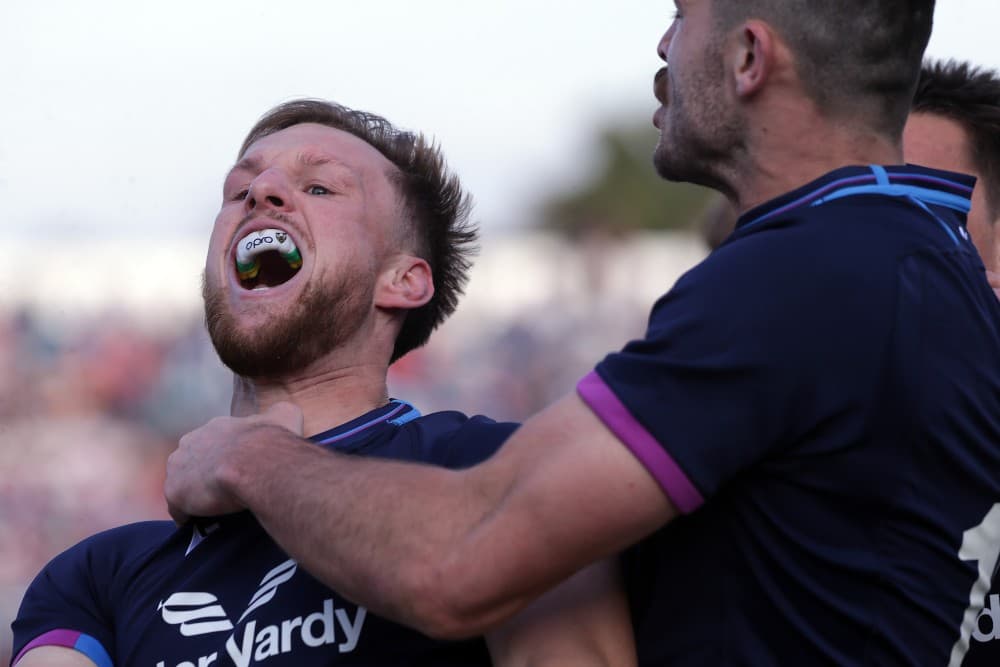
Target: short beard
[(321, 320), (702, 138)]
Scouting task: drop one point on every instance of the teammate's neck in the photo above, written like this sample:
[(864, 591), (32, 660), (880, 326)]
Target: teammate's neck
[(800, 151)]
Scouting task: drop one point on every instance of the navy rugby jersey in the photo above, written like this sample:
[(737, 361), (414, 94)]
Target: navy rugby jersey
[(820, 400), (223, 593)]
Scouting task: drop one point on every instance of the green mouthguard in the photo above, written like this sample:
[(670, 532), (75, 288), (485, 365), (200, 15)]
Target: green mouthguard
[(293, 258), (247, 271)]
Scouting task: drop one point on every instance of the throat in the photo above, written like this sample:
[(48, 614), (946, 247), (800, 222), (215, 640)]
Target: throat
[(326, 399)]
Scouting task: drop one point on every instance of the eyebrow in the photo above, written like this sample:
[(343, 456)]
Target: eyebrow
[(319, 160), (344, 173), (254, 163), (247, 163)]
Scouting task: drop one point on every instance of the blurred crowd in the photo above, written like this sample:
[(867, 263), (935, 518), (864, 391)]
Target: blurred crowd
[(89, 410), (92, 404)]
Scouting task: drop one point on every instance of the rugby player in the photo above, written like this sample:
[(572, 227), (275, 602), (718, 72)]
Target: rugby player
[(955, 125), (805, 444), (340, 245)]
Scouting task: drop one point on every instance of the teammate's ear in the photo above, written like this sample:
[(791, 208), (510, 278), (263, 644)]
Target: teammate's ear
[(406, 283), (752, 57)]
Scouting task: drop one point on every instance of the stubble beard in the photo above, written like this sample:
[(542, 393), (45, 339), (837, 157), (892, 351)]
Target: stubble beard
[(699, 132), (320, 321)]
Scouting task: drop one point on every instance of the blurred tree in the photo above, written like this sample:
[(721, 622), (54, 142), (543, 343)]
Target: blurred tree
[(625, 193)]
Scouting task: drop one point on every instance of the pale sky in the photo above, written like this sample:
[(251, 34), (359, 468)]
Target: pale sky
[(120, 117)]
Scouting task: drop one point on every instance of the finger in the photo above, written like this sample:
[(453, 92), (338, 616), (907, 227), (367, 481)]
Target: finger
[(287, 415), (177, 514)]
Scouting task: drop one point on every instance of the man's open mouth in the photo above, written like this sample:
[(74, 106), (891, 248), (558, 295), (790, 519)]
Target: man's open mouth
[(266, 258)]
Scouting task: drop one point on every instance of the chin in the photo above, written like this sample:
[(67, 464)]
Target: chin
[(665, 166)]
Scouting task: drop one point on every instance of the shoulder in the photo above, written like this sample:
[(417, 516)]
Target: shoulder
[(132, 537), (455, 440), (114, 549), (809, 272), (77, 586)]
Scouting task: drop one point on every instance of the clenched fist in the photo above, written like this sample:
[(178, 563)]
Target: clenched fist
[(203, 472)]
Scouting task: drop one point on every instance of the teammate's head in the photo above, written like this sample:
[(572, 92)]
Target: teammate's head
[(381, 224), (955, 125), (856, 61)]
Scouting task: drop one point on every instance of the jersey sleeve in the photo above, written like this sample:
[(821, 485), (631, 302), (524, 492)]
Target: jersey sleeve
[(725, 376), (476, 440), (71, 602), (452, 440), (65, 606)]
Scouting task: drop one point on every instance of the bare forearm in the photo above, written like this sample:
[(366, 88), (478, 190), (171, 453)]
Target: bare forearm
[(353, 524), (451, 553), (54, 656)]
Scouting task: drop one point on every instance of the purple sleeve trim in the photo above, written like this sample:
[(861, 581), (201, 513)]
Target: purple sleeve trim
[(610, 410), (65, 638), (78, 641)]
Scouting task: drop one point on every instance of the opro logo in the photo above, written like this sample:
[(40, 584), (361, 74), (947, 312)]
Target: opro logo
[(258, 241)]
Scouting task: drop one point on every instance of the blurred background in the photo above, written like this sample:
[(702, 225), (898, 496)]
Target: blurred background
[(121, 118)]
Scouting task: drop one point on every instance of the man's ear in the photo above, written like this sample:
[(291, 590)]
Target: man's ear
[(752, 56), (406, 283)]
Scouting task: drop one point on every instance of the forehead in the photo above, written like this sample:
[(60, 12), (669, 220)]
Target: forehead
[(311, 143), (936, 141)]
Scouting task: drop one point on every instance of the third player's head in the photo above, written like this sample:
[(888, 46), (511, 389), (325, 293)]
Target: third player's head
[(736, 67), (955, 125), (339, 237)]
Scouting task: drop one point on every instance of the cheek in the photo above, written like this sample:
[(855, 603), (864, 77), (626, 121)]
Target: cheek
[(215, 256)]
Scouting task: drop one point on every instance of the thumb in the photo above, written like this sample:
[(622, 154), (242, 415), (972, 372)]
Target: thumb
[(286, 415), (178, 515)]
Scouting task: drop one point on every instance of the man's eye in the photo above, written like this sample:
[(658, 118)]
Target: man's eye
[(317, 190), (240, 196)]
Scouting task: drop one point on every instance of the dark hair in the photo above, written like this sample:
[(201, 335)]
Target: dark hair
[(970, 96), (857, 59), (433, 196)]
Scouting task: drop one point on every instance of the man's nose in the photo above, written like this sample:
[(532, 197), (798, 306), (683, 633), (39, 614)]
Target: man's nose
[(664, 45), (269, 190)]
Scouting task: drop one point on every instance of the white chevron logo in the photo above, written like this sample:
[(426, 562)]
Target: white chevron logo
[(196, 613), (202, 614), (269, 585)]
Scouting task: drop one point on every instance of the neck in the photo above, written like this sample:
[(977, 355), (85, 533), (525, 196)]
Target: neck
[(795, 146), (343, 384), (330, 399), (328, 393)]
